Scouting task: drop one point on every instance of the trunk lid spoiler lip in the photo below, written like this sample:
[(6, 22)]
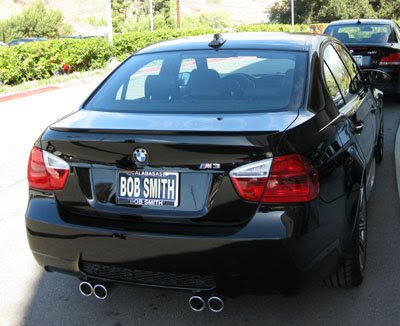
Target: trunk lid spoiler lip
[(375, 45), (141, 123)]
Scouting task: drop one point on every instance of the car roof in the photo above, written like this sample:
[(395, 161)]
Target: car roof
[(260, 40), (361, 21)]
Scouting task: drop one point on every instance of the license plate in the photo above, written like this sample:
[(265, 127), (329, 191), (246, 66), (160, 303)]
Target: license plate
[(358, 59), (363, 60), (148, 188)]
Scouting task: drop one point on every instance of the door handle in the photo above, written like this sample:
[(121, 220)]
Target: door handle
[(359, 127)]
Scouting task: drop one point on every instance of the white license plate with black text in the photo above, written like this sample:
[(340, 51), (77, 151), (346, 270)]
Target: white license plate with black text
[(148, 188)]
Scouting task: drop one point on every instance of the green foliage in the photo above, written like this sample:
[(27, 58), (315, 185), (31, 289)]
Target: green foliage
[(327, 10), (215, 20), (345, 9), (120, 11), (143, 24), (34, 21), (39, 60), (96, 22), (272, 28), (387, 8), (128, 43), (133, 15)]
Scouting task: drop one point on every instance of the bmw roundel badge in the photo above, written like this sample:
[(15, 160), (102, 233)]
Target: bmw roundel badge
[(140, 155)]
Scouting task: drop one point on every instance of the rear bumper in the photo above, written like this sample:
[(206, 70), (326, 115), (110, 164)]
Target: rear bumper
[(264, 254)]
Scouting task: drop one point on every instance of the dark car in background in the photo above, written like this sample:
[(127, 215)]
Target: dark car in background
[(20, 41), (374, 44), (237, 165)]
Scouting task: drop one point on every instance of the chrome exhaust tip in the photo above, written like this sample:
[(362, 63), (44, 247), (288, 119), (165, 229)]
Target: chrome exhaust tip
[(86, 289), (100, 291), (197, 303), (216, 304)]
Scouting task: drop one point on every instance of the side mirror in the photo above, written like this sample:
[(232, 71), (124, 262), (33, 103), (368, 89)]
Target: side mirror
[(368, 77), (376, 76)]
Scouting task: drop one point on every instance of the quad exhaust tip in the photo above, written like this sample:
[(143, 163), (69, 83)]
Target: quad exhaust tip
[(215, 304), (197, 303), (100, 291), (86, 289)]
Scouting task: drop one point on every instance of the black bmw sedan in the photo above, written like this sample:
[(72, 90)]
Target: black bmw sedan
[(214, 165), (374, 43)]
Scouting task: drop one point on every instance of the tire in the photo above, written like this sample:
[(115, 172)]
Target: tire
[(380, 145), (351, 270)]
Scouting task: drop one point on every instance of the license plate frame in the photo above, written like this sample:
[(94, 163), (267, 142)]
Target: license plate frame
[(154, 192)]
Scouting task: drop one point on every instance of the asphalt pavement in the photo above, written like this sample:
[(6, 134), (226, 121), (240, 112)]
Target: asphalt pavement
[(30, 296)]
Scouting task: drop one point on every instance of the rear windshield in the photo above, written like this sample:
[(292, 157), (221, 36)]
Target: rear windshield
[(205, 81), (361, 33)]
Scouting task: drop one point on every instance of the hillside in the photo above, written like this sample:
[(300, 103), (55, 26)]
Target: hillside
[(77, 12), (238, 11)]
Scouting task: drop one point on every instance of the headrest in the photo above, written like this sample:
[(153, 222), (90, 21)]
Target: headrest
[(160, 87)]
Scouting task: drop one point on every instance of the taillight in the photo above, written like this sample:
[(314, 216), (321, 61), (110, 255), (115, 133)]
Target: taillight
[(46, 171), (250, 179), (284, 179), (391, 59)]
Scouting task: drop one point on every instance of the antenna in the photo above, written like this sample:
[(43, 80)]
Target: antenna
[(217, 41)]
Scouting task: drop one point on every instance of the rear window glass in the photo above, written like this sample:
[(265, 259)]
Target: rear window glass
[(205, 81), (361, 33)]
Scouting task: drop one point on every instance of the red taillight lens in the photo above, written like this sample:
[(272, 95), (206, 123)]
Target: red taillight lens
[(250, 189), (291, 179), (391, 59), (285, 179), (46, 171)]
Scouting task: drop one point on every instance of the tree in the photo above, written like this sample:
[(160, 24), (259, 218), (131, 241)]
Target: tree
[(34, 21), (387, 8), (345, 9), (325, 11), (133, 15), (119, 13)]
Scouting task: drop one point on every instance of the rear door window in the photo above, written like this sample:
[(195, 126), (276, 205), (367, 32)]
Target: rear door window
[(333, 87), (339, 72)]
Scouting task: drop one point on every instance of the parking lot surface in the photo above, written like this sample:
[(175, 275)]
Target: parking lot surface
[(30, 296)]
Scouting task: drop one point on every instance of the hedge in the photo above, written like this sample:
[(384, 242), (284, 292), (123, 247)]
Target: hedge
[(273, 28), (39, 60), (128, 43)]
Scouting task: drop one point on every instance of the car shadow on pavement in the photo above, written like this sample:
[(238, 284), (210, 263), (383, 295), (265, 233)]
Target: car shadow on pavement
[(57, 300)]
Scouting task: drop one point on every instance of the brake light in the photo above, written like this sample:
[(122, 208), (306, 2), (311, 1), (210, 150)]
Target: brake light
[(391, 59), (250, 179), (284, 179), (46, 171)]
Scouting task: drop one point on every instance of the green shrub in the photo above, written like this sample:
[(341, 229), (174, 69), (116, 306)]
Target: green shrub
[(127, 43), (272, 28), (39, 60)]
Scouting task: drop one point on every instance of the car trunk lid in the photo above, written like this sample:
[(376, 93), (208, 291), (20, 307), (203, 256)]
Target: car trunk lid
[(199, 149), (370, 55)]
